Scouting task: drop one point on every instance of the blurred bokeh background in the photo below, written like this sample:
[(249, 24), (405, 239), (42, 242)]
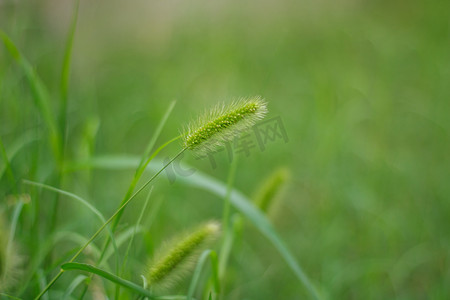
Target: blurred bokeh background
[(362, 89)]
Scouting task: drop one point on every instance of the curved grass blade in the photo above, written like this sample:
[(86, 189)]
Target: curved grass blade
[(6, 296), (97, 233), (122, 238), (14, 148), (73, 285), (7, 167), (226, 246), (156, 134), (71, 195), (245, 207), (242, 204), (49, 244), (62, 117), (198, 269), (82, 201), (215, 271), (42, 282), (227, 239), (76, 238), (145, 160), (65, 72), (105, 162), (39, 92), (136, 227), (108, 276)]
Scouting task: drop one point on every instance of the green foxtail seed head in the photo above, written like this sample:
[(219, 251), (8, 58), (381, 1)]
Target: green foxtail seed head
[(271, 188), (223, 123), (180, 256)]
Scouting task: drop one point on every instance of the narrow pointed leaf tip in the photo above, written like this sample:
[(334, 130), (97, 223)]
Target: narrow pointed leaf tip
[(223, 123)]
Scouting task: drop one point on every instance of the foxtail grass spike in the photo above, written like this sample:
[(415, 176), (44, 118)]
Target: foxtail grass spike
[(180, 256), (222, 124), (271, 188)]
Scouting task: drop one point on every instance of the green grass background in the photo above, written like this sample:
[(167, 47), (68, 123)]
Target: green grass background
[(362, 88)]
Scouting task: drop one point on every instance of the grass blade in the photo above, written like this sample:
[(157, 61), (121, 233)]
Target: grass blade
[(157, 133), (196, 275), (7, 167), (71, 195), (39, 92), (75, 238), (42, 282), (243, 204), (259, 220), (65, 72), (6, 296), (85, 203), (122, 238), (145, 160), (46, 247), (134, 231), (108, 276), (14, 221), (14, 148), (225, 249), (215, 271), (136, 227), (97, 233), (76, 282), (198, 269)]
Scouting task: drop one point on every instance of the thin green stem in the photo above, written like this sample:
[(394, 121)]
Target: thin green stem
[(107, 222), (137, 175), (127, 252), (140, 170), (228, 234), (227, 206), (136, 178)]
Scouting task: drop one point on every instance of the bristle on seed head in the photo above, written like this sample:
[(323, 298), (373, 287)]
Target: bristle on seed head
[(178, 258), (223, 123)]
